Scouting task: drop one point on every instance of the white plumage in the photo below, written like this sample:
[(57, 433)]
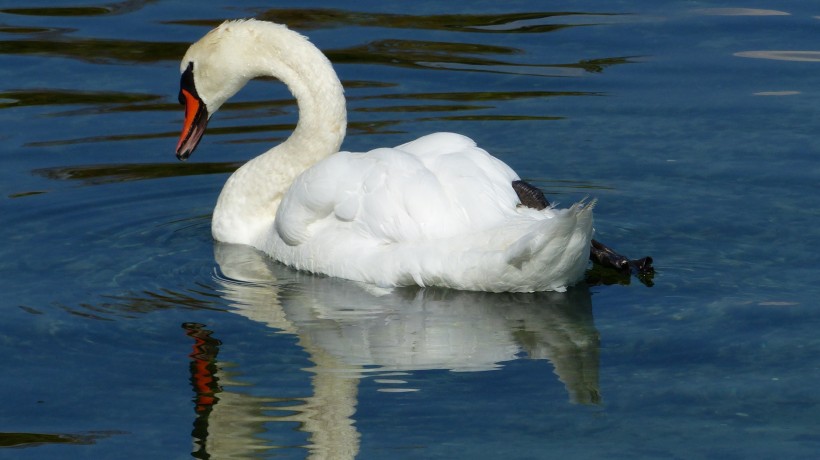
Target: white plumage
[(435, 211)]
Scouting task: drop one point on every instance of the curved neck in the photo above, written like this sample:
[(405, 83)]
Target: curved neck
[(247, 205)]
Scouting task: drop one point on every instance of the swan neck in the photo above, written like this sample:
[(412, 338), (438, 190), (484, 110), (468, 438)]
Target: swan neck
[(248, 202), (310, 77)]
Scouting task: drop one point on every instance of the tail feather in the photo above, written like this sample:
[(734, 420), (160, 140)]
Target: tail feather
[(556, 247)]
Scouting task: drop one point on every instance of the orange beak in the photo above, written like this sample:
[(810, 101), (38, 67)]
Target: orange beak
[(196, 116)]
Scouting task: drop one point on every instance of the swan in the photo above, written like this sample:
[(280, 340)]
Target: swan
[(437, 211)]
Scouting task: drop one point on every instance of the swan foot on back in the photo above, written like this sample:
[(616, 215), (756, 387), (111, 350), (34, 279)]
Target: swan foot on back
[(599, 253)]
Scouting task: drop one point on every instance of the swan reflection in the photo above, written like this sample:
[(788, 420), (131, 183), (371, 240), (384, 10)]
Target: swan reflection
[(353, 331)]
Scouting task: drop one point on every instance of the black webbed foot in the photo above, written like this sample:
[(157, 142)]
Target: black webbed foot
[(530, 195), (609, 266), (605, 257)]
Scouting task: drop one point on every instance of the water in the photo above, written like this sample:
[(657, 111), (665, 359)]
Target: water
[(128, 333)]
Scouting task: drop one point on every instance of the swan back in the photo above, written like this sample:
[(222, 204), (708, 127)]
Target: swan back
[(436, 211)]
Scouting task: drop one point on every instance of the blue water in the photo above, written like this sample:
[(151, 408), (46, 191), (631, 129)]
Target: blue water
[(128, 333)]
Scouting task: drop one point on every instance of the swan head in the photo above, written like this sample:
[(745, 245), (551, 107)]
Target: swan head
[(214, 69), (219, 64)]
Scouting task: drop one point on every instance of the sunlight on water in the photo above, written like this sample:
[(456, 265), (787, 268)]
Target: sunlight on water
[(740, 12), (798, 56)]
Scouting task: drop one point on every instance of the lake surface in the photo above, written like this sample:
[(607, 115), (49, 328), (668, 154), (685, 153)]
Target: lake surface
[(128, 333)]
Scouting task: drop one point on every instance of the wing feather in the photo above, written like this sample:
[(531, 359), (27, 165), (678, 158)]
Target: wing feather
[(437, 186)]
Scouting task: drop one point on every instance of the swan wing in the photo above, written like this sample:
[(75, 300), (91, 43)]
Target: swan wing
[(436, 211), (438, 186)]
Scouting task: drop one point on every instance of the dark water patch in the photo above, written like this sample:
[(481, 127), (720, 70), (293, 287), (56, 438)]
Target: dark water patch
[(101, 51), (368, 127), (409, 53), (126, 172), (26, 30), (134, 305), (126, 6), (50, 96), (357, 84), (420, 53), (421, 108), (19, 440), (475, 96), (525, 22), (457, 56), (479, 100), (27, 193), (492, 118), (107, 138), (58, 11)]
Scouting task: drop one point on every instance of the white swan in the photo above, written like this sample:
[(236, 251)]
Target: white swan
[(436, 211)]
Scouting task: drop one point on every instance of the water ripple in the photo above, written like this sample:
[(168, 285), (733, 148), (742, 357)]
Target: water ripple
[(796, 56)]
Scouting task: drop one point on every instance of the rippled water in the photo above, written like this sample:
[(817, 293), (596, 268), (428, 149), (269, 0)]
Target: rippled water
[(128, 333)]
